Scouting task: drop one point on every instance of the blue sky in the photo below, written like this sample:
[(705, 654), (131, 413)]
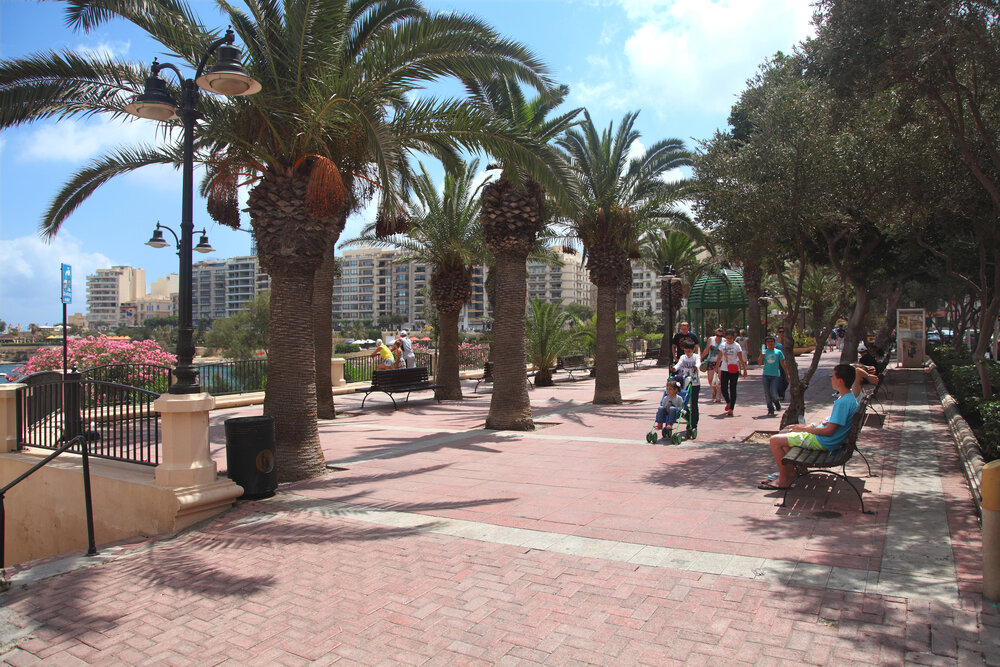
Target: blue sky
[(682, 63)]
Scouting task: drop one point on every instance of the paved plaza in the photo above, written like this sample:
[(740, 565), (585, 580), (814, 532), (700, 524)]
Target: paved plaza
[(433, 541)]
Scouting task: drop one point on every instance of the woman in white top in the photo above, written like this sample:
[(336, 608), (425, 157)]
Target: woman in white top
[(712, 344), (732, 360)]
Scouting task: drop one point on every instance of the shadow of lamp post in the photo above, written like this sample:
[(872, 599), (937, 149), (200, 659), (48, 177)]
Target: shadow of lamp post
[(227, 77)]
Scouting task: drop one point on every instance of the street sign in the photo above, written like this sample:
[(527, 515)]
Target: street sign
[(67, 283)]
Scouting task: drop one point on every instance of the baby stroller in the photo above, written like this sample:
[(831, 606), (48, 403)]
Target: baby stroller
[(683, 419)]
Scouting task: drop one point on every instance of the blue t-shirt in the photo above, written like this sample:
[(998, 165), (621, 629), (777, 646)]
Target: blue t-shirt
[(843, 412), (772, 361)]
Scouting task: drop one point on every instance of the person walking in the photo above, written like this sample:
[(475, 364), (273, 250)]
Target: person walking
[(711, 362), (783, 375), (688, 367), (773, 360), (685, 333), (732, 361), (406, 349)]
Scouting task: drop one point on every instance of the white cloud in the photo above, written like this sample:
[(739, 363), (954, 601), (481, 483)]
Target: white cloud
[(29, 291), (107, 50), (694, 54), (76, 141)]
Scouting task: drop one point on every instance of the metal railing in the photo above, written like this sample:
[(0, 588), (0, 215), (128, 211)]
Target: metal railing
[(150, 377), (117, 421), (79, 443), (233, 377)]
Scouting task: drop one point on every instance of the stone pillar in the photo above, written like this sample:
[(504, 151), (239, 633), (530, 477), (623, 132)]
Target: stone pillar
[(990, 487), (337, 371), (186, 467), (8, 416)]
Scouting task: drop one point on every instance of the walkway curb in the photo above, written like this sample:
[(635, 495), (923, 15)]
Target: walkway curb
[(969, 451)]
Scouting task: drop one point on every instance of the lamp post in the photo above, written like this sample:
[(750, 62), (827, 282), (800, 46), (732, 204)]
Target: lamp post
[(765, 301), (229, 78), (667, 303)]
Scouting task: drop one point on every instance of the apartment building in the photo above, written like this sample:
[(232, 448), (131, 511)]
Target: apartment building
[(645, 289), (568, 283), (108, 290), (374, 285), (244, 281)]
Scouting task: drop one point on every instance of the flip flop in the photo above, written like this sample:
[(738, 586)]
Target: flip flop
[(773, 475), (767, 486)]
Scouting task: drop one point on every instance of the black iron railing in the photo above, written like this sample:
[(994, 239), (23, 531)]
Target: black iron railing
[(78, 443), (144, 376), (117, 421), (233, 377)]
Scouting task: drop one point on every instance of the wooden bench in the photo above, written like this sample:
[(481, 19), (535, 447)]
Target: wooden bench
[(488, 377), (573, 363), (816, 461), (396, 381)]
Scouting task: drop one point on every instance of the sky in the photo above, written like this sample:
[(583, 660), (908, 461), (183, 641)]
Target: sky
[(680, 63)]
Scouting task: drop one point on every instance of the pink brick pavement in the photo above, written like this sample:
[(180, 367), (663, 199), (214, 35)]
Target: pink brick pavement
[(271, 583)]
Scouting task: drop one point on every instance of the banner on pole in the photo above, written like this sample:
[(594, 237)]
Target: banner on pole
[(67, 283)]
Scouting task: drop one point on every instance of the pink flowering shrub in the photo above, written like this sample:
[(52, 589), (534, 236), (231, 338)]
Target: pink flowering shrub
[(94, 351)]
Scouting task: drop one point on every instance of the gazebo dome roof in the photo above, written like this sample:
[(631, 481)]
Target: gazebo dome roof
[(721, 289)]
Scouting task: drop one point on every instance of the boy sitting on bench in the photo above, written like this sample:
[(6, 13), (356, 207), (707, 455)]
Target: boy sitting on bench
[(830, 434)]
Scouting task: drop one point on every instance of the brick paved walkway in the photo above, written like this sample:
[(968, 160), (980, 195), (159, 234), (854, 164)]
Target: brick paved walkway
[(436, 542)]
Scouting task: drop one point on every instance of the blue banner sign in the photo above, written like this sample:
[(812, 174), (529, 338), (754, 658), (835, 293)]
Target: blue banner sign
[(67, 283)]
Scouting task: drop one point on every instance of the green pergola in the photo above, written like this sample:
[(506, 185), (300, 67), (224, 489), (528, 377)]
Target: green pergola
[(718, 299)]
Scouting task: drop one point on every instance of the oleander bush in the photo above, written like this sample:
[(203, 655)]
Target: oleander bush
[(962, 380)]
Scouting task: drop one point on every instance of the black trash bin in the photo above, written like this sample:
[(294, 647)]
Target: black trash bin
[(250, 455)]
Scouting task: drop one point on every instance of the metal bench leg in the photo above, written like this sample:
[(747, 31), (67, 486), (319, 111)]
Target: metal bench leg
[(865, 459), (826, 472)]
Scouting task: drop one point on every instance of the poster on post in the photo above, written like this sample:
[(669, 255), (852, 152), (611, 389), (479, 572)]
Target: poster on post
[(910, 339)]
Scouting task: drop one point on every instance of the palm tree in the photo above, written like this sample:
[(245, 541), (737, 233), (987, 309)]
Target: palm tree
[(445, 234), (676, 249), (619, 200), (549, 335), (513, 214), (333, 124)]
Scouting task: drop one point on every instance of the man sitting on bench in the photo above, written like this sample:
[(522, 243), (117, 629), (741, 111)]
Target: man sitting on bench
[(846, 381)]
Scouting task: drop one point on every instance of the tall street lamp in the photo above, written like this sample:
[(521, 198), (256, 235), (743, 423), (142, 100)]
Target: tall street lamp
[(227, 77), (667, 303), (765, 302)]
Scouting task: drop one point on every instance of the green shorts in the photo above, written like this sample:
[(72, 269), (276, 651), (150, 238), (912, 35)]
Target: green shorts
[(804, 440)]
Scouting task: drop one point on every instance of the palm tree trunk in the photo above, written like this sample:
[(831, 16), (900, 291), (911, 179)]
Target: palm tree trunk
[(607, 389), (510, 406), (322, 305), (447, 365), (291, 373)]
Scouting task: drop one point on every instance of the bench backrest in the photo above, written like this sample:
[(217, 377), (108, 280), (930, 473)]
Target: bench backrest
[(400, 377), (851, 441), (571, 360)]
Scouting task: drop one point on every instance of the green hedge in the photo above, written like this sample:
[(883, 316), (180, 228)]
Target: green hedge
[(962, 380), (346, 348)]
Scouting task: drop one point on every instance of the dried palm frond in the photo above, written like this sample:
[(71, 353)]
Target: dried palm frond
[(223, 199)]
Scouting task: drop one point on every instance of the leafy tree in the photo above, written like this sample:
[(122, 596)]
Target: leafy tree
[(939, 61), (335, 121), (619, 200), (240, 336)]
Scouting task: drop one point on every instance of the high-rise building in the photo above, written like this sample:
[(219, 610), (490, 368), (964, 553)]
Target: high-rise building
[(568, 283), (208, 291), (374, 286), (645, 289), (108, 290), (244, 281)]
